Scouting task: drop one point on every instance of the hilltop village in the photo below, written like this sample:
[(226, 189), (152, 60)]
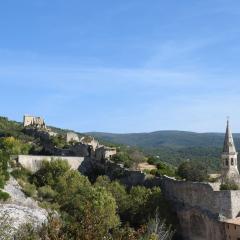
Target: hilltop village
[(85, 146), (208, 210)]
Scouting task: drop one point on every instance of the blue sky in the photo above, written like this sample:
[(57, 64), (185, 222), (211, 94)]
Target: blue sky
[(122, 66)]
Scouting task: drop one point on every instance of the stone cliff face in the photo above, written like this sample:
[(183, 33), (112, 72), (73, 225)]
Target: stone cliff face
[(20, 209)]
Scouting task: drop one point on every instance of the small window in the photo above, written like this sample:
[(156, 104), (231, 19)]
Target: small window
[(232, 161), (226, 162)]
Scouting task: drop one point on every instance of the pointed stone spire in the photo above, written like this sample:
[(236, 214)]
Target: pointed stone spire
[(228, 146)]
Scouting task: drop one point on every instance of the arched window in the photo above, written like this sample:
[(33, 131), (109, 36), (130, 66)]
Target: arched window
[(232, 161), (226, 162)]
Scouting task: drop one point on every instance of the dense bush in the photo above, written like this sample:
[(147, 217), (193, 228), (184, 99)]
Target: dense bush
[(229, 186), (21, 173), (129, 157), (163, 169), (13, 146), (4, 196), (50, 172), (191, 171), (58, 141), (46, 192), (28, 188), (123, 158), (4, 175), (103, 210)]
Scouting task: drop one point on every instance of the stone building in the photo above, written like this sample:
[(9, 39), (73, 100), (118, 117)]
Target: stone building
[(232, 228), (204, 211), (229, 164), (36, 122), (104, 152), (72, 137)]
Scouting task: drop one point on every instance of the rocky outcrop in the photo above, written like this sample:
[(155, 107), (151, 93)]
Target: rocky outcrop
[(20, 209)]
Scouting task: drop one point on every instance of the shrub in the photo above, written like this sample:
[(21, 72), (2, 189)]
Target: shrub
[(192, 171), (153, 171), (28, 188), (50, 172), (229, 186), (4, 196), (46, 192), (21, 173), (2, 181)]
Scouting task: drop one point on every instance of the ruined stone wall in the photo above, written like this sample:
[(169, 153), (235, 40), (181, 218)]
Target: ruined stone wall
[(33, 163), (71, 136), (105, 153), (31, 120), (201, 195), (200, 208), (198, 225)]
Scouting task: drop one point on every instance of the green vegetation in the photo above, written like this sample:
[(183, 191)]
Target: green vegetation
[(9, 146), (191, 171), (58, 141), (174, 147), (14, 129), (129, 157), (103, 210), (171, 139), (229, 186), (4, 196)]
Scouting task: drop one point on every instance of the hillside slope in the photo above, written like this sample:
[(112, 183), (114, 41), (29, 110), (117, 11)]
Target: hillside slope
[(172, 139), (175, 146)]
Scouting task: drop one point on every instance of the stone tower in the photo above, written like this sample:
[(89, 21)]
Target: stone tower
[(229, 158)]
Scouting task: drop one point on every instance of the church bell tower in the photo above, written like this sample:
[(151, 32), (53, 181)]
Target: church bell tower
[(229, 158)]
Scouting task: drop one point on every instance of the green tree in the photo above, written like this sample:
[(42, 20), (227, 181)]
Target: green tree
[(193, 171), (117, 190), (142, 203), (91, 214), (50, 172), (13, 146)]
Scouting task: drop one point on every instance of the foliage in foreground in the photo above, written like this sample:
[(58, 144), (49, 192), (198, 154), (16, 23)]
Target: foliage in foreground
[(55, 230), (103, 210)]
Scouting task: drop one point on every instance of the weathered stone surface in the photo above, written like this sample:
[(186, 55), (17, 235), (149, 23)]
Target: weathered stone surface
[(71, 136), (33, 163), (20, 209), (199, 208), (197, 225)]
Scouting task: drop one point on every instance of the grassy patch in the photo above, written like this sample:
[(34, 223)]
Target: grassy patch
[(4, 196)]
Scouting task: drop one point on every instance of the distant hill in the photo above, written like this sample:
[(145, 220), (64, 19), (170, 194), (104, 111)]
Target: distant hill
[(169, 146), (175, 146), (172, 139)]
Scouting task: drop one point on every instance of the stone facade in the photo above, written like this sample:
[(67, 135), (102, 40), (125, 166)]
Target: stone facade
[(91, 141), (72, 137), (200, 209), (104, 152), (232, 229), (32, 121)]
